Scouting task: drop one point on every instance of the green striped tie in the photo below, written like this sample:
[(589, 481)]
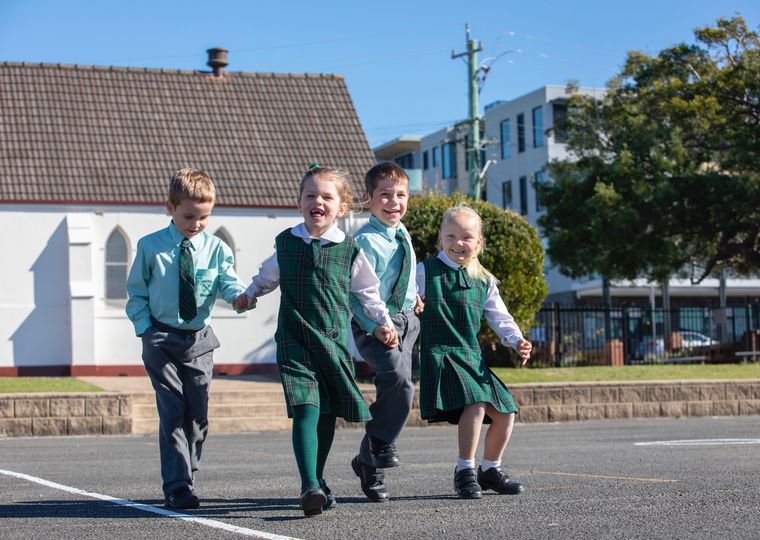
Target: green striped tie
[(398, 293), (188, 309)]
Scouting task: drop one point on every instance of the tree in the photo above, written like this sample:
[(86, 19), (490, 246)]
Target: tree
[(513, 254), (665, 172)]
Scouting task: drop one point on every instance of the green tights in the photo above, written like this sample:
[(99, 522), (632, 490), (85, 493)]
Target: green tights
[(313, 435)]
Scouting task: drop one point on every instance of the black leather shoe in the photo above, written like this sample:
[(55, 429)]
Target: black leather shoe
[(331, 502), (499, 481), (466, 484), (181, 499), (312, 500), (384, 455), (371, 480)]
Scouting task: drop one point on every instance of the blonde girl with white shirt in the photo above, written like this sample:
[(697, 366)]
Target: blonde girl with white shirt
[(317, 267), (455, 383)]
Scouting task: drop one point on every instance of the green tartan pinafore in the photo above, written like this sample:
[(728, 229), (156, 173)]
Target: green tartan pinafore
[(453, 373), (312, 329)]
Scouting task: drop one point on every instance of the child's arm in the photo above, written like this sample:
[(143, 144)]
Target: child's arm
[(230, 284), (365, 287), (502, 322), (267, 280), (138, 308), (357, 309)]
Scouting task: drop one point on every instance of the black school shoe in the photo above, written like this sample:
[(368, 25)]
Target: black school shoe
[(371, 480), (384, 455), (331, 502), (466, 484), (182, 499), (499, 481), (312, 500)]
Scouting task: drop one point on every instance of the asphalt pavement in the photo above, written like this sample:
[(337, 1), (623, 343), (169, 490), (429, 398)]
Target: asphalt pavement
[(649, 478)]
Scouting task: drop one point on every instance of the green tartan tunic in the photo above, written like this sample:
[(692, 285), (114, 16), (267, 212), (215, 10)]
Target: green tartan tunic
[(312, 330), (453, 373)]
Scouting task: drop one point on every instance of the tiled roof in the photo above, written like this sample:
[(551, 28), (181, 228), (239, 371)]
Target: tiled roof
[(115, 135)]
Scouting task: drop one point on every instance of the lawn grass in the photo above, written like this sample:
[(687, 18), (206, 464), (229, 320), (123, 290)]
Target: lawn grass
[(19, 385), (668, 372)]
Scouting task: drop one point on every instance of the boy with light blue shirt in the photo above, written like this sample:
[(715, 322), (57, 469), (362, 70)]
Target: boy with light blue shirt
[(172, 286), (388, 247)]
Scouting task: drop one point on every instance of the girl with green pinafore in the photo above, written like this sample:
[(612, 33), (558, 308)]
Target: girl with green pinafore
[(316, 267), (455, 383)]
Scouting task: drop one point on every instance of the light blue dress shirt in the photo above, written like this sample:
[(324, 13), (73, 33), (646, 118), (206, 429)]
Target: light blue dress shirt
[(153, 282), (384, 253)]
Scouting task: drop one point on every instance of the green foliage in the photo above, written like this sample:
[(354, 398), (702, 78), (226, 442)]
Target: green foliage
[(513, 253), (664, 174)]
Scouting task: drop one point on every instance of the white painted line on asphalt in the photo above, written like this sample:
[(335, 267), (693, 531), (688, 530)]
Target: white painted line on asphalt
[(148, 508), (699, 442), (609, 477)]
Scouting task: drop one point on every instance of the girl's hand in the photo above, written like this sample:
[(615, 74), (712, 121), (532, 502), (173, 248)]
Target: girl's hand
[(523, 349), (243, 303), (419, 306)]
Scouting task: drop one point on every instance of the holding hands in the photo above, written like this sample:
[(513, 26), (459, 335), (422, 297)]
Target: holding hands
[(387, 335), (243, 302), (524, 348)]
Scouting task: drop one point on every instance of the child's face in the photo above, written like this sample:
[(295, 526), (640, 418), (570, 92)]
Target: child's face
[(190, 217), (461, 238), (320, 204), (389, 200)]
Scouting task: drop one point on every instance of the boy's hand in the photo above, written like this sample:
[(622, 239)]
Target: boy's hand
[(243, 303), (419, 306), (523, 349), (387, 336)]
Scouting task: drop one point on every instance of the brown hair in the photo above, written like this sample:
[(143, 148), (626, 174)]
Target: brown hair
[(386, 170), (339, 176), (192, 184)]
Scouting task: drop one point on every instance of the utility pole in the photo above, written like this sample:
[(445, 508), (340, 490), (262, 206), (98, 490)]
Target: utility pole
[(473, 155)]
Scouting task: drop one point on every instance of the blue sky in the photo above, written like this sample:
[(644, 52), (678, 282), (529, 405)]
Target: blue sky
[(395, 55)]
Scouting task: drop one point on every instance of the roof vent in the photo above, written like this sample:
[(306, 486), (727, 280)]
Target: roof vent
[(217, 60)]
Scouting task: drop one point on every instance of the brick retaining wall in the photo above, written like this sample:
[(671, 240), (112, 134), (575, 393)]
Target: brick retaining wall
[(23, 415)]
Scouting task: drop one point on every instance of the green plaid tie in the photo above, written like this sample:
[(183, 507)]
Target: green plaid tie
[(188, 309), (314, 253), (398, 293), (464, 278)]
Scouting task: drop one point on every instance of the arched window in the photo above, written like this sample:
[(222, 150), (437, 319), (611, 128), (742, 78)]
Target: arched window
[(117, 262), (222, 234)]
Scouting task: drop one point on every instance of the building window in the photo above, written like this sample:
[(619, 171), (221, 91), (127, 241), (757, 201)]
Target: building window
[(406, 161), (506, 149), (524, 195), (538, 127), (538, 178), (506, 194), (521, 132), (559, 119), (117, 262), (436, 161), (425, 163), (225, 237), (449, 160)]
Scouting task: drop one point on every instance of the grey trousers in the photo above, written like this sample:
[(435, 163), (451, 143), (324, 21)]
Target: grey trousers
[(393, 381), (180, 366)]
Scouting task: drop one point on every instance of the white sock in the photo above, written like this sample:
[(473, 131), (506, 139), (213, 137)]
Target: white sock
[(465, 464), (486, 464)]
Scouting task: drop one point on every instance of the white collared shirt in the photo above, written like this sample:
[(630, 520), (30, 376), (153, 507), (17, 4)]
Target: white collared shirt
[(364, 284), (494, 309)]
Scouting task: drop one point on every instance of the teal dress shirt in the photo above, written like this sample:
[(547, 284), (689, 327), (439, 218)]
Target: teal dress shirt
[(384, 253), (153, 282)]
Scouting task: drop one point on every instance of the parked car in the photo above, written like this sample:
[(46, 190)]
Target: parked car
[(689, 340)]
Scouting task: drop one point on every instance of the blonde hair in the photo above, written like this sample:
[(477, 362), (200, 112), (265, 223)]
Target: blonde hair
[(473, 266), (337, 176), (192, 184)]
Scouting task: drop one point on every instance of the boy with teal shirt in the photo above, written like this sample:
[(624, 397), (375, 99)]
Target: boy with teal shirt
[(175, 278), (388, 247)]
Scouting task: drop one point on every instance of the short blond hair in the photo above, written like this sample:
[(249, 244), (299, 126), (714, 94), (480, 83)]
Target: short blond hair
[(193, 184)]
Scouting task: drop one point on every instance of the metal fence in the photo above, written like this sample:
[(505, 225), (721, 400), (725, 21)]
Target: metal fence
[(582, 336)]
